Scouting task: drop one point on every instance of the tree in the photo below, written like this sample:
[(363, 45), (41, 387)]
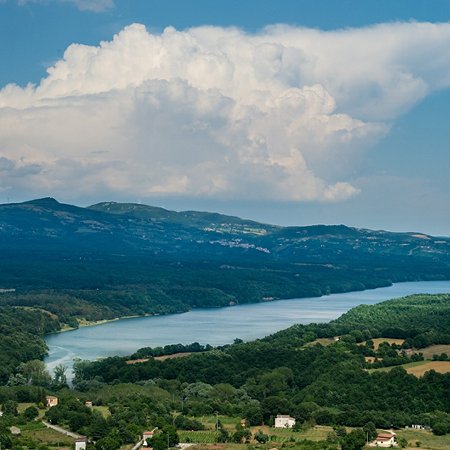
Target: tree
[(253, 415), (240, 436), (171, 432), (17, 380), (10, 407), (35, 372), (167, 437), (441, 428), (31, 412), (59, 376), (355, 440), (370, 431), (110, 442)]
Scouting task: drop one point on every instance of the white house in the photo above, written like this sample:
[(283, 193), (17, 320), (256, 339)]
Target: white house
[(80, 443), (282, 421), (385, 439)]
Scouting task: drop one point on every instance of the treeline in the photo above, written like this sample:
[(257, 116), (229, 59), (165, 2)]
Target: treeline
[(281, 374), (170, 349)]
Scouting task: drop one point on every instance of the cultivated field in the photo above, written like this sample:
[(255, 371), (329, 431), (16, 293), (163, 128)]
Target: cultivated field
[(438, 366), (174, 355), (425, 439), (200, 437), (321, 341), (378, 341), (428, 352)]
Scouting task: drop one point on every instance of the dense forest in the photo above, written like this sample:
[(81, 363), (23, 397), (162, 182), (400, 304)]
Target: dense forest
[(22, 331)]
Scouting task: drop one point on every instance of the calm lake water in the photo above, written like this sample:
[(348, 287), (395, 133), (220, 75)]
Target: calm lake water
[(216, 326)]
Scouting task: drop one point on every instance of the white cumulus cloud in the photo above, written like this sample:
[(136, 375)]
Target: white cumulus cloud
[(217, 112)]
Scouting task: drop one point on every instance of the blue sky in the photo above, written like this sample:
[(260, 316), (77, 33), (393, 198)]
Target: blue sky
[(379, 157)]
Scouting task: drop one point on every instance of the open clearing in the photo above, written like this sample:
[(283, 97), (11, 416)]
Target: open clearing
[(428, 352), (418, 368), (38, 432), (321, 341), (438, 366), (427, 440), (378, 341), (174, 355)]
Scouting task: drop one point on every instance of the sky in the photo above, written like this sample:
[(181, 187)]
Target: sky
[(288, 112)]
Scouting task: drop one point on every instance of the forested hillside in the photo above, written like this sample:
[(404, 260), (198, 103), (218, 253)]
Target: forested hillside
[(114, 259)]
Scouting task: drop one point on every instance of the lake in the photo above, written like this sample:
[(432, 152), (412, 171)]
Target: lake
[(216, 326)]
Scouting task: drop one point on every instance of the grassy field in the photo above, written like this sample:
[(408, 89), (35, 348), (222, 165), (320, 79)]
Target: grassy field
[(174, 355), (427, 440), (104, 410), (201, 437), (39, 432), (321, 341), (438, 366), (21, 407), (228, 422), (405, 366), (378, 341), (428, 352), (418, 368), (317, 433)]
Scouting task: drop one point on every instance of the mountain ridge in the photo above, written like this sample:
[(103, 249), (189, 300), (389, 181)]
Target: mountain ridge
[(139, 259)]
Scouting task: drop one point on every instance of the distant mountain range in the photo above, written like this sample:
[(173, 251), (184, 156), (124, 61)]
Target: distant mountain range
[(199, 258)]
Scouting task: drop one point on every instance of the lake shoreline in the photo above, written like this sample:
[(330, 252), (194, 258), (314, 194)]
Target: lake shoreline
[(217, 326), (87, 323)]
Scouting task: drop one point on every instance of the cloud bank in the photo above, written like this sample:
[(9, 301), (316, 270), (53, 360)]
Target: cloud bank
[(216, 112)]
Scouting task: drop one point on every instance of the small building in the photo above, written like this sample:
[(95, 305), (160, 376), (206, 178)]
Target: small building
[(14, 431), (50, 401), (146, 435), (385, 439), (284, 421), (81, 443), (244, 423), (88, 403)]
